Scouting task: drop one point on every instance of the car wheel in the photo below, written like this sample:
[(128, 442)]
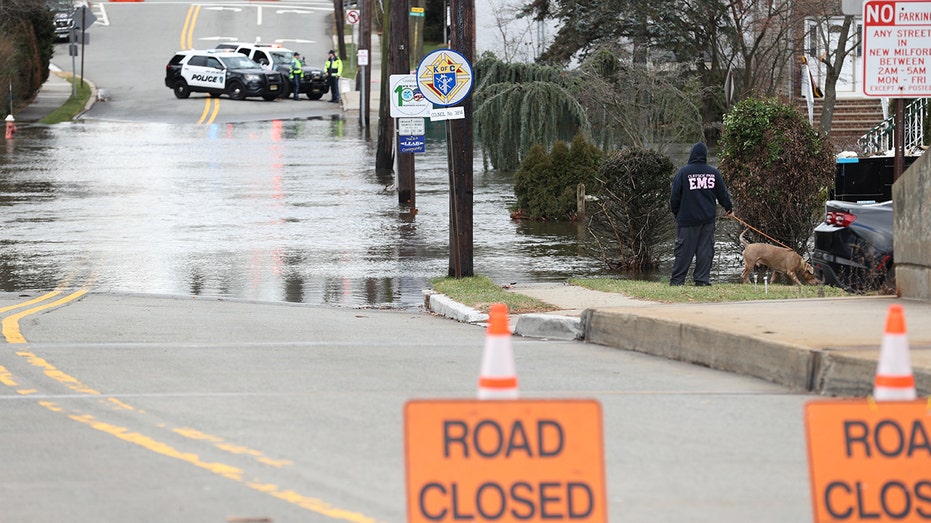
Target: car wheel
[(269, 97), (315, 96), (215, 94), (236, 91), (181, 89)]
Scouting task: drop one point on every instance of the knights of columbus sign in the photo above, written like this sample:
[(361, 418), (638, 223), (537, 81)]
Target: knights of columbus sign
[(447, 76)]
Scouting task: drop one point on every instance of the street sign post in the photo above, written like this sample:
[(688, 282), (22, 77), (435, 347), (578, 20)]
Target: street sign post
[(897, 48), (406, 98), (444, 77)]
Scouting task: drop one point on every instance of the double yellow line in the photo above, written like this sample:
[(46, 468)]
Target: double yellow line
[(12, 334), (187, 32), (10, 324), (187, 42)]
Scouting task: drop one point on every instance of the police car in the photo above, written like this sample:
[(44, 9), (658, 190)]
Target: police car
[(314, 82), (219, 72)]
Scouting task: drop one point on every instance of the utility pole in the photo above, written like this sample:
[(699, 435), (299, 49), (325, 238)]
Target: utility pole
[(460, 140), (366, 43), (399, 35), (384, 151), (339, 20)]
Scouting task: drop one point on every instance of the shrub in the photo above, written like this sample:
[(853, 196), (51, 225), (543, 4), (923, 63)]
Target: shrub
[(545, 184), (631, 217), (776, 168)]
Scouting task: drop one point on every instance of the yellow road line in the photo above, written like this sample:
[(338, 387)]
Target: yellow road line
[(10, 324), (187, 32), (203, 115), (66, 379), (213, 116), (216, 109), (30, 302), (12, 334), (220, 469)]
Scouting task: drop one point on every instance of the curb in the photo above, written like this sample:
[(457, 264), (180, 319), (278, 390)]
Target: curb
[(817, 371), (444, 306), (536, 325)]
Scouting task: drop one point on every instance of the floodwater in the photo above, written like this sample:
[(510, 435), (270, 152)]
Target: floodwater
[(272, 211)]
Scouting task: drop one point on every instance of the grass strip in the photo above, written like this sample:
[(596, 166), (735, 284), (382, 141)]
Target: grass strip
[(73, 107), (479, 292), (665, 293)]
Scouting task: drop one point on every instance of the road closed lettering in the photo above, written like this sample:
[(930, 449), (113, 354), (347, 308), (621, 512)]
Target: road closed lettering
[(505, 461), (870, 461)]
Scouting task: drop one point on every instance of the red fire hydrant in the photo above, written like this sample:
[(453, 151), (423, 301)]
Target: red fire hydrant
[(10, 126)]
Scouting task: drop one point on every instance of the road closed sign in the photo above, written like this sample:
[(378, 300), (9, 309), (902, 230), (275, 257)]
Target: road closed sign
[(504, 461), (869, 461)]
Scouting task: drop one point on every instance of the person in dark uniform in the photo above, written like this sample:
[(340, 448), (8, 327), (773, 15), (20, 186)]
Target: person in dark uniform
[(695, 189)]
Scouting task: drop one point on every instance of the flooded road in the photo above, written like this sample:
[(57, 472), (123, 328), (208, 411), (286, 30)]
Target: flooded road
[(271, 211)]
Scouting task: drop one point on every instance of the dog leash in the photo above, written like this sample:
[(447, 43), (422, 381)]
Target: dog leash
[(761, 233)]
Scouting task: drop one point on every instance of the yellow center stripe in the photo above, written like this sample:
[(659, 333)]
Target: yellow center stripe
[(11, 323)]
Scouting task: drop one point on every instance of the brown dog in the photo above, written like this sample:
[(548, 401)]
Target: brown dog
[(778, 259)]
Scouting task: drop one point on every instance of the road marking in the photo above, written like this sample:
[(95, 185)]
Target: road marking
[(13, 335), (11, 323), (220, 469), (30, 302), (203, 115), (216, 109), (102, 17), (187, 32), (213, 116), (259, 15)]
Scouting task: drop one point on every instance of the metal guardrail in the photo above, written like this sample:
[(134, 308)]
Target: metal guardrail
[(879, 139)]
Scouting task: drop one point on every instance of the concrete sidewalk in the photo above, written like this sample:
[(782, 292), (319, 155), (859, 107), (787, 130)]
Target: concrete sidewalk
[(824, 346), (52, 95)]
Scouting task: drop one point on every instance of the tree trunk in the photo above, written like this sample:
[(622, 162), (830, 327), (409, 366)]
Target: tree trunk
[(833, 69)]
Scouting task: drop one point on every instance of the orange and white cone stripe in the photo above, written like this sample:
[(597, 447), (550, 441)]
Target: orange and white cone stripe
[(894, 378), (498, 379)]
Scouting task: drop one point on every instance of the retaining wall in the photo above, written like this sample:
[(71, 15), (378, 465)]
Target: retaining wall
[(911, 197)]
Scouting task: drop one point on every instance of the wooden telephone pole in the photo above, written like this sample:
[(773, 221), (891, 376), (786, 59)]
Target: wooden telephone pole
[(459, 136), (400, 49)]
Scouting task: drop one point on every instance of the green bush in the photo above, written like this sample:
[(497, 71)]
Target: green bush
[(776, 167), (631, 217), (545, 184)]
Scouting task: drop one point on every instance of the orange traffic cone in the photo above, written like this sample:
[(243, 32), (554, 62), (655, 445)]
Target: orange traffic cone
[(894, 378), (498, 379)]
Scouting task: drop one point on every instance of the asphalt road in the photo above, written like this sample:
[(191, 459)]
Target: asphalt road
[(132, 42), (143, 408)]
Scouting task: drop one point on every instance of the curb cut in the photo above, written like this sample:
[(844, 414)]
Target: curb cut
[(539, 325)]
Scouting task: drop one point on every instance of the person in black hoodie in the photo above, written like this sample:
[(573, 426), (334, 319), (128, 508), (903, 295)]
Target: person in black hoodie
[(695, 189)]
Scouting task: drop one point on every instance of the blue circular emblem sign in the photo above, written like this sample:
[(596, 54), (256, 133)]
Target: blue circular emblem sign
[(444, 77)]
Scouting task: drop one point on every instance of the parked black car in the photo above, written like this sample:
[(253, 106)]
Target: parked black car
[(853, 246)]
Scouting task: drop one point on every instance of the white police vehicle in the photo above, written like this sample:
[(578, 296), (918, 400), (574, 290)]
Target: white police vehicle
[(314, 83), (217, 72)]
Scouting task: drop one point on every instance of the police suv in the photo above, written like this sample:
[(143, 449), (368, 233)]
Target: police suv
[(219, 72), (313, 83)]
